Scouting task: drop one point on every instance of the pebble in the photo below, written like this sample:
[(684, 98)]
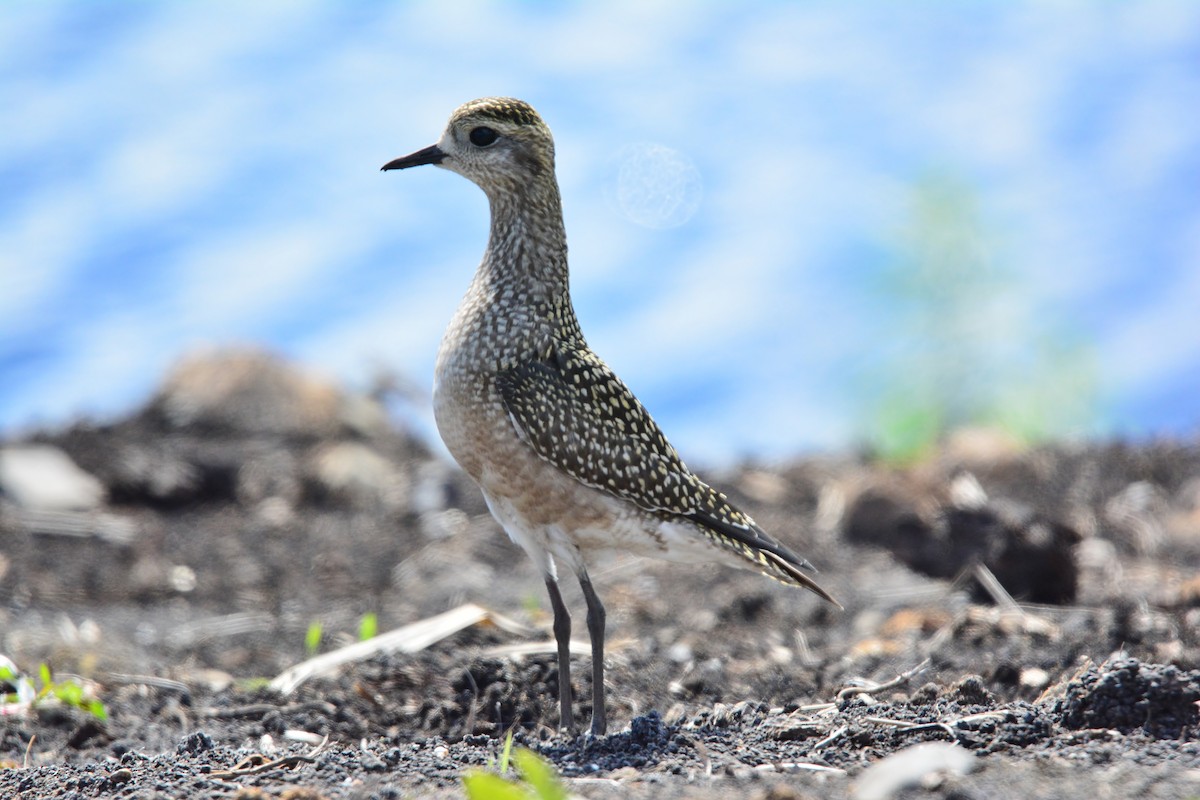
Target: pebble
[(43, 478), (912, 766)]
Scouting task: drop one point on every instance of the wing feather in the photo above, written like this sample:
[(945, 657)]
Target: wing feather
[(579, 416)]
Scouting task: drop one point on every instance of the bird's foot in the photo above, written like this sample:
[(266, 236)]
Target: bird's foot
[(598, 727)]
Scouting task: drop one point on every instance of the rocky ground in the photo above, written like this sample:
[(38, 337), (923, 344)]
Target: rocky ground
[(178, 560)]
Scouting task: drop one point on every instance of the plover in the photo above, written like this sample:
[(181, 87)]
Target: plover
[(569, 461)]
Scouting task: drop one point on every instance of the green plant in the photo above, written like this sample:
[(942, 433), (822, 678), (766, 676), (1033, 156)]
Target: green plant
[(312, 638), (368, 626), (964, 341), (538, 781), (505, 755), (532, 603), (25, 695)]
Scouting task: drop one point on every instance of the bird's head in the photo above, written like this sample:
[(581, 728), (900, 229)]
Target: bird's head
[(498, 142)]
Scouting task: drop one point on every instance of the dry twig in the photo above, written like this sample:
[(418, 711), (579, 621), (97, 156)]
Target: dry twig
[(899, 680)]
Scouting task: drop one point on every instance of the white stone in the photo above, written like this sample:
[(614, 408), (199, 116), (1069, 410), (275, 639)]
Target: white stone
[(44, 478)]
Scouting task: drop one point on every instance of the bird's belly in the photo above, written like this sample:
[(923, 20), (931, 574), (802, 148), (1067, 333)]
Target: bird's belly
[(542, 508), (476, 429), (573, 523)]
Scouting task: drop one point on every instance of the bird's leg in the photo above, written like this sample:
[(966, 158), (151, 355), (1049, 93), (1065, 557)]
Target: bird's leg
[(562, 635), (595, 623)]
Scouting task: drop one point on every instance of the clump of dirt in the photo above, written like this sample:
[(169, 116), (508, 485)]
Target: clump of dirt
[(1129, 696)]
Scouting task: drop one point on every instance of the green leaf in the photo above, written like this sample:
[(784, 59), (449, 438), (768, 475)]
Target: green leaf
[(506, 754), (70, 693), (538, 772), (97, 710), (487, 786), (312, 638), (368, 626), (44, 674)]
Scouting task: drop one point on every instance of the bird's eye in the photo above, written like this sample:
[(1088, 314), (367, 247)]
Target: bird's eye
[(482, 137)]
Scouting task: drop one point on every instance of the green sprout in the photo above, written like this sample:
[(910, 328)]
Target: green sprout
[(538, 781), (24, 695), (532, 603), (312, 638), (505, 755), (368, 626)]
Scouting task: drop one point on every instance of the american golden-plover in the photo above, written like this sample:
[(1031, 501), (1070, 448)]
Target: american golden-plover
[(567, 458)]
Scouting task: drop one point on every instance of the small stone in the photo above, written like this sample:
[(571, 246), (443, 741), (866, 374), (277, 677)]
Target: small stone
[(912, 766), (43, 478), (794, 727), (371, 762), (971, 691), (680, 653), (196, 742), (1035, 678)]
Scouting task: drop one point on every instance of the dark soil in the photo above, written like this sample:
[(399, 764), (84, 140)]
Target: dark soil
[(248, 501)]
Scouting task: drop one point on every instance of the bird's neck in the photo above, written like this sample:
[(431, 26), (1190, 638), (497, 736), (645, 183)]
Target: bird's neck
[(526, 256)]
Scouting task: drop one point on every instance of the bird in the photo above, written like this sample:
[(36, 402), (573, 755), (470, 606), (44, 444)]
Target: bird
[(569, 461)]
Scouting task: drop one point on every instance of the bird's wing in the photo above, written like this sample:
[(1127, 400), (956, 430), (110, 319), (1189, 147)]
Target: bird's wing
[(579, 416)]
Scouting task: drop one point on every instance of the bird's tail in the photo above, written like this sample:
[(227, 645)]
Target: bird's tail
[(785, 571)]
